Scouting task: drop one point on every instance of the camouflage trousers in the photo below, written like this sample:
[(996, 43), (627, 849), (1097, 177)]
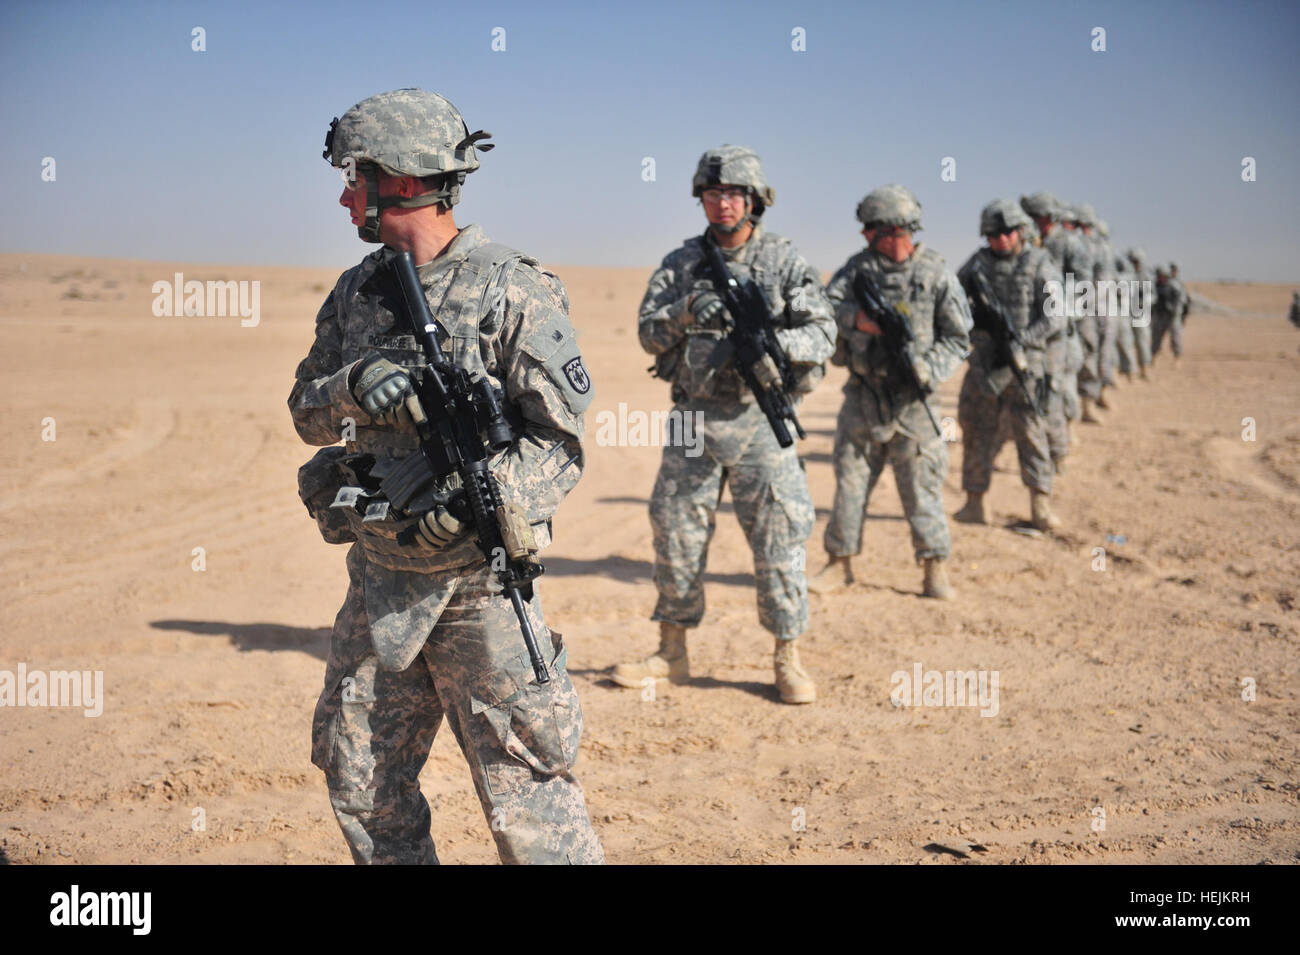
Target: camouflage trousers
[(981, 415), (373, 728), (1092, 339), (1121, 347), (775, 510), (1058, 428), (1142, 340), (1173, 326), (919, 470)]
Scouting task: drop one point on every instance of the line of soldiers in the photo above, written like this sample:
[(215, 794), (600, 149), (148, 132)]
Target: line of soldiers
[(1037, 364), (426, 634)]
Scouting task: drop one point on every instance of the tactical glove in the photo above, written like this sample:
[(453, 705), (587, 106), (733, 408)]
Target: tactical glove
[(440, 528), (705, 309), (380, 386)]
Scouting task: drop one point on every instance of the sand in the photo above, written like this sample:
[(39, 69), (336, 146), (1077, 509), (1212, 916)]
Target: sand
[(1121, 733)]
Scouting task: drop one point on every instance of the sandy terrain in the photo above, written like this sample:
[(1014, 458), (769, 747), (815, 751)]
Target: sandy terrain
[(1120, 688)]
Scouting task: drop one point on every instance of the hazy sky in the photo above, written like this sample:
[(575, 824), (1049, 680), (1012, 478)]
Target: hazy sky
[(166, 153)]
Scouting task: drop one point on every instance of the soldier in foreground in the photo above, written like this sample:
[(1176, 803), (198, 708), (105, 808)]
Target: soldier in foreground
[(425, 631), (884, 418), (683, 322), (1006, 283)]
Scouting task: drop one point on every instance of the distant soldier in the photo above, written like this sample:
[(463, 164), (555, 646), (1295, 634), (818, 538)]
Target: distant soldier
[(1167, 314), (1187, 296), (1125, 356), (1295, 309), (1143, 307), (683, 320), (1073, 256), (1008, 377), (884, 418)]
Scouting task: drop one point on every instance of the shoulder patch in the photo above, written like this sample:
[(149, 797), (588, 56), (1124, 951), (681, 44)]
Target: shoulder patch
[(576, 372)]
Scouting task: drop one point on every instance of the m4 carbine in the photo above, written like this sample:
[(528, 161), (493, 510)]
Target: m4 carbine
[(993, 318), (751, 341), (466, 429), (895, 334)]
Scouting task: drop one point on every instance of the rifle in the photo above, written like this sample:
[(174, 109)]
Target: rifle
[(895, 334), (761, 361), (993, 318), (468, 427)]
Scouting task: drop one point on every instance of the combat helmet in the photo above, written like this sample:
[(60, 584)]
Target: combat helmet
[(406, 132), (891, 205), (1042, 205), (735, 166), (1001, 215), (1084, 214)]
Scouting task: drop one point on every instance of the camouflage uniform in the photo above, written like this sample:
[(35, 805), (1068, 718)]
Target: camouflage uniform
[(425, 632), (1143, 302), (1018, 282), (1167, 316), (883, 419), (768, 487), (1073, 355), (1123, 344)]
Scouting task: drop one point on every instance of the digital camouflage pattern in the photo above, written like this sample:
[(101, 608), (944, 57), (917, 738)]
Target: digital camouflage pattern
[(768, 487), (422, 630), (1019, 283), (734, 166), (883, 419), (891, 205), (373, 727), (1121, 355), (1167, 315), (1142, 325), (408, 132), (1075, 354)]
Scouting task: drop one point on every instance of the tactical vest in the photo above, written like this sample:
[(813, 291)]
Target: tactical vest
[(478, 283), (911, 284)]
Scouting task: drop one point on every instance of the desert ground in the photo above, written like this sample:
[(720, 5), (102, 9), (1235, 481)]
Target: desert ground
[(1123, 732)]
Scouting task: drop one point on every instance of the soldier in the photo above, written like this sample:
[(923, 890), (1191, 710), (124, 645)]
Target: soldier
[(1018, 278), (1187, 298), (682, 320), (1294, 314), (1167, 315), (883, 418), (1124, 354), (425, 630), (1143, 302), (1075, 355)]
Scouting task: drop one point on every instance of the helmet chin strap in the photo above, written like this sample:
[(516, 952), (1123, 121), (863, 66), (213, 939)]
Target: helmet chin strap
[(733, 229), (448, 195)]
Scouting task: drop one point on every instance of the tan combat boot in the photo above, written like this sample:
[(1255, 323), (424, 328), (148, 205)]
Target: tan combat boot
[(668, 662), (1042, 516), (1072, 433), (973, 510), (836, 575), (792, 680), (1089, 415), (936, 580)]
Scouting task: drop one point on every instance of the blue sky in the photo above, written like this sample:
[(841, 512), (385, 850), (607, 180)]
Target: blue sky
[(167, 153)]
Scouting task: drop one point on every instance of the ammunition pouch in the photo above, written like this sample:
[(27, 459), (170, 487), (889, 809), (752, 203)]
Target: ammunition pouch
[(319, 481)]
